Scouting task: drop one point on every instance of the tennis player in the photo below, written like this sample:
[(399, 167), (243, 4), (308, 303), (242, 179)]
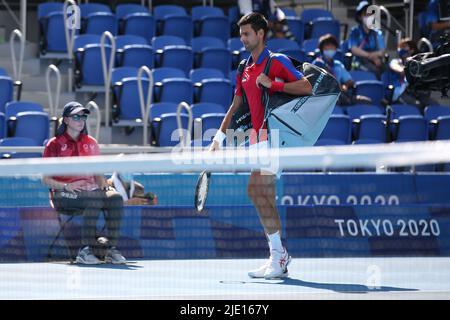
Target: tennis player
[(282, 77)]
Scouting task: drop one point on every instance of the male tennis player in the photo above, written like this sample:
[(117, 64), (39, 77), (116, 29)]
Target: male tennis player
[(283, 77)]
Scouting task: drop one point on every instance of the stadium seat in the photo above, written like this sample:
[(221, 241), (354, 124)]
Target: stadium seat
[(442, 130), (124, 9), (210, 123), (160, 12), (309, 47), (133, 51), (13, 108), (159, 74), (166, 129), (432, 112), (30, 124), (127, 108), (338, 128), (99, 22), (19, 142), (175, 90), (180, 57), (373, 89), (213, 26), (370, 129), (124, 72), (309, 15), (51, 22), (357, 110), (2, 125), (198, 12), (410, 128), (178, 25), (320, 27), (6, 91), (216, 91), (297, 28), (159, 42), (201, 108), (200, 43), (275, 45), (139, 23), (88, 8), (216, 58), (237, 50), (404, 110), (360, 75), (197, 75)]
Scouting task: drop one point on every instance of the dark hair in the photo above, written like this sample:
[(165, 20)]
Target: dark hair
[(410, 43), (327, 39), (256, 20)]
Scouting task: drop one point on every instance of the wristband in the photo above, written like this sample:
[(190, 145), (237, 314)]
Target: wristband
[(277, 86), (220, 137)]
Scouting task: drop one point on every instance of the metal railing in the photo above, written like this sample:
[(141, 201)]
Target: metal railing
[(181, 131), (145, 105), (53, 104), (107, 70)]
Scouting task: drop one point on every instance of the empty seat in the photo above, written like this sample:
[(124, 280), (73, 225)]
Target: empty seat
[(51, 22), (216, 91), (140, 24), (201, 108), (19, 142), (167, 131), (6, 91), (410, 128), (373, 89), (213, 26), (320, 27), (175, 90), (338, 128), (360, 75), (297, 28), (99, 22), (180, 57), (370, 129), (197, 75), (31, 124), (210, 123), (357, 110), (216, 58), (399, 110), (178, 25)]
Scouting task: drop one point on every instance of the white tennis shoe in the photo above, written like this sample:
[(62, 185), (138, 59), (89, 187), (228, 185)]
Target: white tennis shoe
[(85, 256), (275, 267)]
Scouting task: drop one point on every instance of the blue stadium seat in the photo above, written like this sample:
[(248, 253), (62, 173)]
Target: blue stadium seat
[(338, 128), (6, 91), (31, 124), (237, 50), (175, 90), (216, 58), (275, 45), (157, 109), (201, 108), (119, 73), (19, 142), (309, 15), (127, 108), (410, 128), (358, 110), (166, 129), (213, 26), (200, 43), (216, 91), (159, 74), (13, 108), (322, 26), (2, 125), (51, 22), (139, 23), (198, 12), (180, 57), (160, 12), (197, 75), (442, 130), (178, 25), (309, 47), (373, 89), (404, 110), (434, 111), (210, 123), (360, 75), (370, 129), (124, 9), (297, 27), (159, 42), (88, 8), (133, 51), (99, 22)]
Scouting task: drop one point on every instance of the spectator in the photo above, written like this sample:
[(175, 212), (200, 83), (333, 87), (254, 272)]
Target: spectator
[(406, 48), (366, 44), (278, 27), (88, 193), (328, 46), (437, 28)]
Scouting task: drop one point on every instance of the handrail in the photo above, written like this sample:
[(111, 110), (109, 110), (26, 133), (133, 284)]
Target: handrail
[(107, 70), (70, 37), (179, 124), (52, 106), (150, 4), (145, 105), (17, 69), (99, 115)]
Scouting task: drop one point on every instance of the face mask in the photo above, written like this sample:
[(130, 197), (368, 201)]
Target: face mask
[(402, 53), (368, 21), (329, 54)]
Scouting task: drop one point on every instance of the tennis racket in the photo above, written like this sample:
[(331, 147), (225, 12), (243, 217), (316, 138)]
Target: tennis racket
[(201, 190)]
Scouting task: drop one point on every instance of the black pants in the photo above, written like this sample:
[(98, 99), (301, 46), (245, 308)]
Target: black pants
[(90, 204)]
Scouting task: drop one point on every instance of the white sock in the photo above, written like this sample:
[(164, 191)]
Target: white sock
[(275, 241)]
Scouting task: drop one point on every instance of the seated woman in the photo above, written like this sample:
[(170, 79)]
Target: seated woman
[(88, 193), (328, 46), (366, 44)]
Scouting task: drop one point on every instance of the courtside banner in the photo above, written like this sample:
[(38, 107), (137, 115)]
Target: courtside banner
[(179, 232)]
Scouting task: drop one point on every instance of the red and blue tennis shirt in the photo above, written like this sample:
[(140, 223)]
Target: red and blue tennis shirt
[(281, 70)]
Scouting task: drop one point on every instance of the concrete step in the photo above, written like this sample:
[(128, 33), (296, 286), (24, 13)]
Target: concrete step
[(38, 83), (31, 50), (29, 67)]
